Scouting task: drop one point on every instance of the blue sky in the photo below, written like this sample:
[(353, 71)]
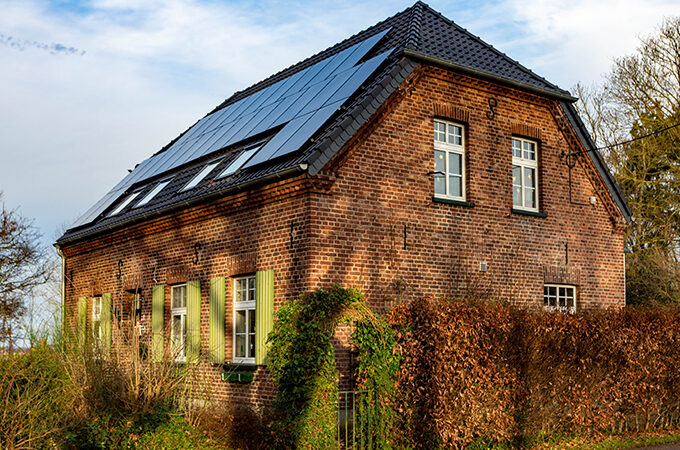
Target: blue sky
[(90, 88)]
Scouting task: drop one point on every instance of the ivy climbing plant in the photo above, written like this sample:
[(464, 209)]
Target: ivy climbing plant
[(302, 365)]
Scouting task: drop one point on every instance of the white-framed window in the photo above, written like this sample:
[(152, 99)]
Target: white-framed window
[(449, 160), (178, 322), (97, 319), (524, 174), (559, 297), (244, 320)]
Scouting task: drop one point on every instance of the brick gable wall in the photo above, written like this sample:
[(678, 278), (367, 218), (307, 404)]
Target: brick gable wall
[(369, 221), (379, 229)]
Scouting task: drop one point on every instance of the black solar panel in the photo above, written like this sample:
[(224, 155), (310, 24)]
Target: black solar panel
[(300, 94)]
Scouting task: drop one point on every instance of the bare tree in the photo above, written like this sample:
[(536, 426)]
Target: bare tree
[(22, 269), (633, 114)]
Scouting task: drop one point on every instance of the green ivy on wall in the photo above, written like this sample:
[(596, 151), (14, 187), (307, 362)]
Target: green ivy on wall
[(302, 364)]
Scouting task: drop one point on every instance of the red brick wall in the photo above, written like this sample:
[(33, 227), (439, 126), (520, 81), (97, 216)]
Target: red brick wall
[(378, 228), (374, 226)]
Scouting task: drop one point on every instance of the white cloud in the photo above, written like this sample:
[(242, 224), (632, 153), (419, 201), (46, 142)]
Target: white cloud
[(71, 125), (576, 40)]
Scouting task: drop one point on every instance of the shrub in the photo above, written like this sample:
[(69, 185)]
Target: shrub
[(478, 371), (69, 391)]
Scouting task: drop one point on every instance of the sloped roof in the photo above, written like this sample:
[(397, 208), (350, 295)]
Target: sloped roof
[(418, 32)]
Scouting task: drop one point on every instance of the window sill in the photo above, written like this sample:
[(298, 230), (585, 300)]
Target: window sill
[(529, 213), (241, 367), (450, 201)]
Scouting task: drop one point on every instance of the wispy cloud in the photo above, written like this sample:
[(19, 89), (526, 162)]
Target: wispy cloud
[(53, 48)]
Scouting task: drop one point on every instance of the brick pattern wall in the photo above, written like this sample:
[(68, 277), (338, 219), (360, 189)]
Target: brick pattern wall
[(370, 222), (379, 229)]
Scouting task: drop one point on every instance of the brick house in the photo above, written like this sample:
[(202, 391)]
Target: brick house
[(410, 159)]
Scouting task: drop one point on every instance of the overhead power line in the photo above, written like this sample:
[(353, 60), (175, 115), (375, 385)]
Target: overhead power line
[(654, 133)]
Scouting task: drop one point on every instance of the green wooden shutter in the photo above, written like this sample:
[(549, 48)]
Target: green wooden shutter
[(81, 328), (157, 319), (105, 323), (193, 339), (217, 296), (264, 312)]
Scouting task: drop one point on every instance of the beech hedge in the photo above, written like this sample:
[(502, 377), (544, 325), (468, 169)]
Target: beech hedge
[(475, 370)]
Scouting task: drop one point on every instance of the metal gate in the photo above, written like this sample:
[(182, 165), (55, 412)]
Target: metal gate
[(357, 411)]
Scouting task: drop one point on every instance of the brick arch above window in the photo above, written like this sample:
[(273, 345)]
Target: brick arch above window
[(451, 112), (524, 130)]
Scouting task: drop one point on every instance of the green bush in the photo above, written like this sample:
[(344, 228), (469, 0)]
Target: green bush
[(302, 365)]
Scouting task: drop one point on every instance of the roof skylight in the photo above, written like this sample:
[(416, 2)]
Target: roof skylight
[(126, 202), (200, 175), (239, 162), (152, 193)]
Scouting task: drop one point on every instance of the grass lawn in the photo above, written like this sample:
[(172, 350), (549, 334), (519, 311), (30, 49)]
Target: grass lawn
[(628, 440)]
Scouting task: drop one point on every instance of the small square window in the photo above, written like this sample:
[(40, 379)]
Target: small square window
[(558, 297)]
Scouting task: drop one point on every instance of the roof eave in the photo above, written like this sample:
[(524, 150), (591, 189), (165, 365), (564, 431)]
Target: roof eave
[(298, 169), (445, 63)]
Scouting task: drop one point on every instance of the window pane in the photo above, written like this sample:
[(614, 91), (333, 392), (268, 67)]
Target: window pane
[(251, 288), (552, 291), (251, 345), (530, 198), (179, 297), (455, 166), (251, 321), (516, 148), (241, 290), (516, 186), (240, 346), (439, 166), (440, 132), (240, 325), (455, 186), (529, 177), (176, 332), (455, 135), (529, 150)]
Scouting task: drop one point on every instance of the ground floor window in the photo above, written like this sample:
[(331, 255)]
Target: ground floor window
[(244, 320), (559, 297), (97, 319), (178, 322)]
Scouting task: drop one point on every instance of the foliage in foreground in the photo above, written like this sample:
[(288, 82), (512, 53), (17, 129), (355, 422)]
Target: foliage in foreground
[(302, 364), (71, 393), (476, 371)]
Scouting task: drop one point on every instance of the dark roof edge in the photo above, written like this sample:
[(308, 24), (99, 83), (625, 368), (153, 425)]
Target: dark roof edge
[(596, 157), (299, 168), (419, 56)]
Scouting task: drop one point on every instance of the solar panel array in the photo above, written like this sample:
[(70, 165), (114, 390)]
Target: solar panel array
[(302, 103)]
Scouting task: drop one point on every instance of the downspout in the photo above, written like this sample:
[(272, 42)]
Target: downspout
[(63, 287)]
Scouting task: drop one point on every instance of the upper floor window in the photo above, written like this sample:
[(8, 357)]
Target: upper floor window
[(558, 297), (244, 319), (178, 322), (524, 174), (449, 160)]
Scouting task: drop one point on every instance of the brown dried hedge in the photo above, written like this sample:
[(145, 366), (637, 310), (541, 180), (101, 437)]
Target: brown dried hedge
[(483, 370)]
